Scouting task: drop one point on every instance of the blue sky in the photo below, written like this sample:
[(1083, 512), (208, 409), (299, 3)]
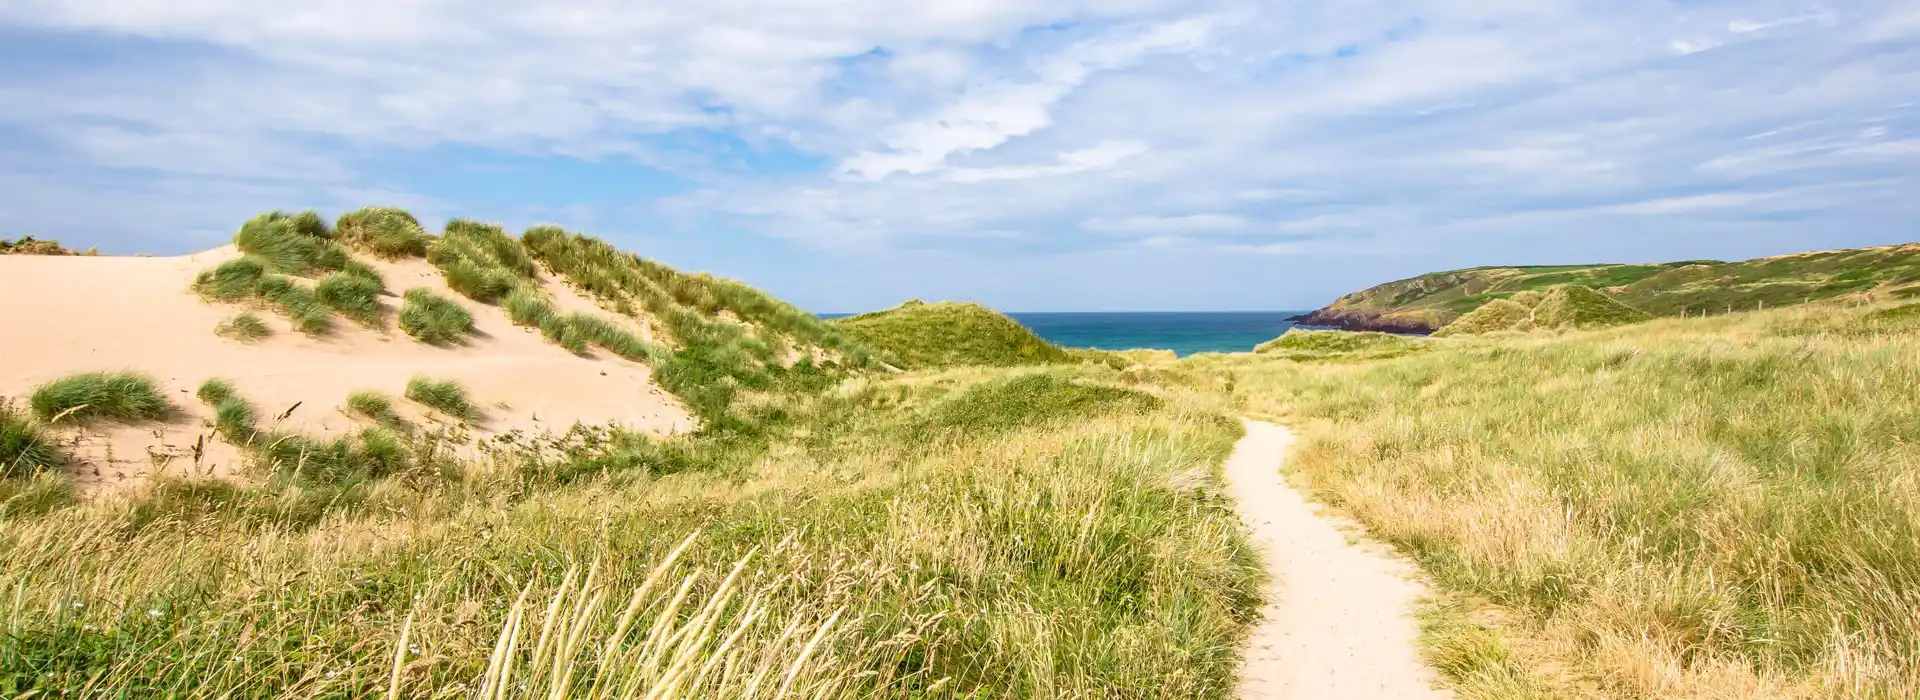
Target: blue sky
[(1072, 155)]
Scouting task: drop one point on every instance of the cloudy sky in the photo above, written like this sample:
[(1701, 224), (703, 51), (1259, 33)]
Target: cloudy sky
[(1030, 154)]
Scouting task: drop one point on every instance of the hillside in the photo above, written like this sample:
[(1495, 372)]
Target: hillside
[(299, 317), (918, 335), (1426, 303), (583, 474), (1719, 507)]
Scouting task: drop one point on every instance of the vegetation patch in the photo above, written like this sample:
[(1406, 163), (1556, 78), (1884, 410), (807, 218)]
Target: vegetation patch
[(28, 245), (434, 319), (374, 406), (297, 244), (1031, 400), (385, 232), (99, 395), (447, 397), (1573, 307), (244, 327), (1494, 316), (233, 415), (480, 261), (354, 296), (1305, 344), (918, 335), (24, 449), (248, 279)]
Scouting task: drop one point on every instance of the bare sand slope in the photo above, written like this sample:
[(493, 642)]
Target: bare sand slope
[(76, 314), (1338, 622)]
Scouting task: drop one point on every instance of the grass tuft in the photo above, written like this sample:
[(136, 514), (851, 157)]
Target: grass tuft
[(374, 406), (245, 327), (214, 391), (386, 232), (434, 319), (24, 449), (290, 243), (354, 296), (99, 395), (447, 397)]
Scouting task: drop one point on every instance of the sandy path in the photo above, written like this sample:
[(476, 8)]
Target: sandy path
[(1338, 622)]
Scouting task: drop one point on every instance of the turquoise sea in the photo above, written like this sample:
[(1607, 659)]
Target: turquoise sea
[(1184, 332)]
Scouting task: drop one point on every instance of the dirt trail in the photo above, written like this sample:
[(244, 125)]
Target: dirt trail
[(1338, 622)]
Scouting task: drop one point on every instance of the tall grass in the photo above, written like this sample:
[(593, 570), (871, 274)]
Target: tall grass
[(434, 319), (481, 261), (1075, 559), (99, 395), (383, 231), (918, 335), (248, 279), (374, 406), (24, 449), (245, 327), (446, 396), (354, 296), (292, 243), (1720, 508)]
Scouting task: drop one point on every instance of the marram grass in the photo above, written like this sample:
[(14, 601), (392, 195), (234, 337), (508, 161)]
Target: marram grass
[(434, 319), (127, 396)]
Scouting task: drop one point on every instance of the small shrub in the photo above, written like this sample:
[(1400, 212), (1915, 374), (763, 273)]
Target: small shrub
[(120, 395), (354, 296), (24, 450), (373, 406), (447, 397), (245, 327), (434, 319), (383, 231)]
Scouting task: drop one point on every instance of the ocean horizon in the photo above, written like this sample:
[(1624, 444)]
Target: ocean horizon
[(1183, 332)]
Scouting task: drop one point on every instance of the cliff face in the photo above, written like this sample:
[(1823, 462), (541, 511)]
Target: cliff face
[(1363, 320)]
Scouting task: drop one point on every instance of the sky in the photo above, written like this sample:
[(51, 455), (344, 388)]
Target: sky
[(1032, 155)]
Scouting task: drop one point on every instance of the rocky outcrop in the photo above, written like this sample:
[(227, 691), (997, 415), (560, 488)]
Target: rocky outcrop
[(1358, 320)]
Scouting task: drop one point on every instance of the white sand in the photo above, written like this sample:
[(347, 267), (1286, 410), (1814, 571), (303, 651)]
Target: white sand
[(1338, 623), (64, 315)]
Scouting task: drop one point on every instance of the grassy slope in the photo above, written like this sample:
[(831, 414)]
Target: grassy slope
[(1667, 289), (1723, 507), (918, 335), (1035, 532)]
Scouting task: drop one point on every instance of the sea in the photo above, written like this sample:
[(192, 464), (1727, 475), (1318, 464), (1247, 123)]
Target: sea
[(1183, 332)]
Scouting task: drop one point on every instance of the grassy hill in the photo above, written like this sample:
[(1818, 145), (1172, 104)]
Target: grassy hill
[(830, 531), (1690, 508), (918, 335), (1429, 302)]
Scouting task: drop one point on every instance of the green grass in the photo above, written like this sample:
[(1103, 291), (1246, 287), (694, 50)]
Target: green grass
[(434, 319), (89, 396), (233, 416), (480, 261), (385, 232), (374, 406), (1028, 401), (447, 397), (1686, 288), (246, 279), (245, 327), (291, 243), (353, 296), (1495, 316), (214, 391), (1703, 508), (1098, 546), (24, 449), (918, 335), (1305, 344)]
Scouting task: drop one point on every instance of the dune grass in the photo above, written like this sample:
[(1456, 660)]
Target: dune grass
[(374, 406), (1302, 344), (917, 335), (434, 319), (1081, 558), (385, 232), (126, 396), (290, 243), (354, 296), (480, 261), (446, 396), (244, 327), (248, 279), (24, 449), (1700, 508)]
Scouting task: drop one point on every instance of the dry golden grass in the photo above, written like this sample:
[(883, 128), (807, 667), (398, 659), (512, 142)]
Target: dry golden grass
[(1723, 508)]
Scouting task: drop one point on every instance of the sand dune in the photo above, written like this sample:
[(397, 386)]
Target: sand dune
[(76, 314)]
